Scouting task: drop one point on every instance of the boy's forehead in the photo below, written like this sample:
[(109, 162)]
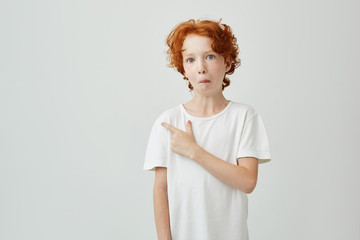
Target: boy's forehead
[(194, 44)]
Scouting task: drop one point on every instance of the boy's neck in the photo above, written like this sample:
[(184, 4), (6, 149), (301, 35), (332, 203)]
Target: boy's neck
[(206, 106)]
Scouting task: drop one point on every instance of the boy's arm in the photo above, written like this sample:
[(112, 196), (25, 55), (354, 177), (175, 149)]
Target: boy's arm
[(242, 176), (161, 206)]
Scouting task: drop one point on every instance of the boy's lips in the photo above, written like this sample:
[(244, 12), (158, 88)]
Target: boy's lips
[(204, 81)]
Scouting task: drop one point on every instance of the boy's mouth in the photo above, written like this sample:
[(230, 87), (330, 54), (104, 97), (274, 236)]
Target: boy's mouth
[(204, 81)]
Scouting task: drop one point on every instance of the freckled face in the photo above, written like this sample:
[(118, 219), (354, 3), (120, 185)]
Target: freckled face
[(204, 68)]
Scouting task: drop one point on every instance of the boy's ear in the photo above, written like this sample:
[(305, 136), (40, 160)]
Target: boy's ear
[(228, 64)]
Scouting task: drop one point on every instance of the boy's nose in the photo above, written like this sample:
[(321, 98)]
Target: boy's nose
[(201, 68)]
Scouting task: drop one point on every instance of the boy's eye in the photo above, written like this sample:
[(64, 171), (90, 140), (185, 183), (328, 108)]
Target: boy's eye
[(210, 56), (190, 60)]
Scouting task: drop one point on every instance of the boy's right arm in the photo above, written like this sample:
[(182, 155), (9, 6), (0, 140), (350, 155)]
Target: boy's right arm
[(161, 205)]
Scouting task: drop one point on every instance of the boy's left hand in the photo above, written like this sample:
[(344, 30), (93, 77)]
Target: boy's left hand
[(182, 143)]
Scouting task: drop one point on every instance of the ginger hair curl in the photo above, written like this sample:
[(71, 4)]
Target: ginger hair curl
[(223, 42)]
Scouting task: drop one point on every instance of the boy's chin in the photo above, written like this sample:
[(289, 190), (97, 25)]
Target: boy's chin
[(209, 91)]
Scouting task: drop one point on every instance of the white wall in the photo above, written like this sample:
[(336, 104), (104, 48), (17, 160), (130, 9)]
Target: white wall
[(81, 83)]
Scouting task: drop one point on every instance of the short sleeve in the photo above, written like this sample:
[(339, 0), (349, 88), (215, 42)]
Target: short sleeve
[(157, 148), (254, 140)]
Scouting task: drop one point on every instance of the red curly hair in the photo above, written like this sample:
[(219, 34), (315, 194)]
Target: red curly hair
[(223, 42)]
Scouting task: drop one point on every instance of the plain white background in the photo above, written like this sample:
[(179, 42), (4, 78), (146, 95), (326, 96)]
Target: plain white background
[(81, 83)]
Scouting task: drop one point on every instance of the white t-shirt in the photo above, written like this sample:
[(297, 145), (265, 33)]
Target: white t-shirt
[(201, 207)]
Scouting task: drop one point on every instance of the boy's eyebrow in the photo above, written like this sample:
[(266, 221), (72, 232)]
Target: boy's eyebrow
[(190, 54)]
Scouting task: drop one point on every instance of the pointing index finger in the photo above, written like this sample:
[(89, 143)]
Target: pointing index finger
[(169, 127)]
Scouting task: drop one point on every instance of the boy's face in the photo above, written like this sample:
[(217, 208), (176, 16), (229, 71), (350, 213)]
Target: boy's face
[(204, 68)]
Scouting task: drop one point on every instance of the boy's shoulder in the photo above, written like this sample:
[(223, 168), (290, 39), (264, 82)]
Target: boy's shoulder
[(243, 109), (242, 106), (169, 113)]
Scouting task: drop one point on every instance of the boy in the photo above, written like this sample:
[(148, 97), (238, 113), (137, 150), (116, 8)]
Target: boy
[(205, 152)]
